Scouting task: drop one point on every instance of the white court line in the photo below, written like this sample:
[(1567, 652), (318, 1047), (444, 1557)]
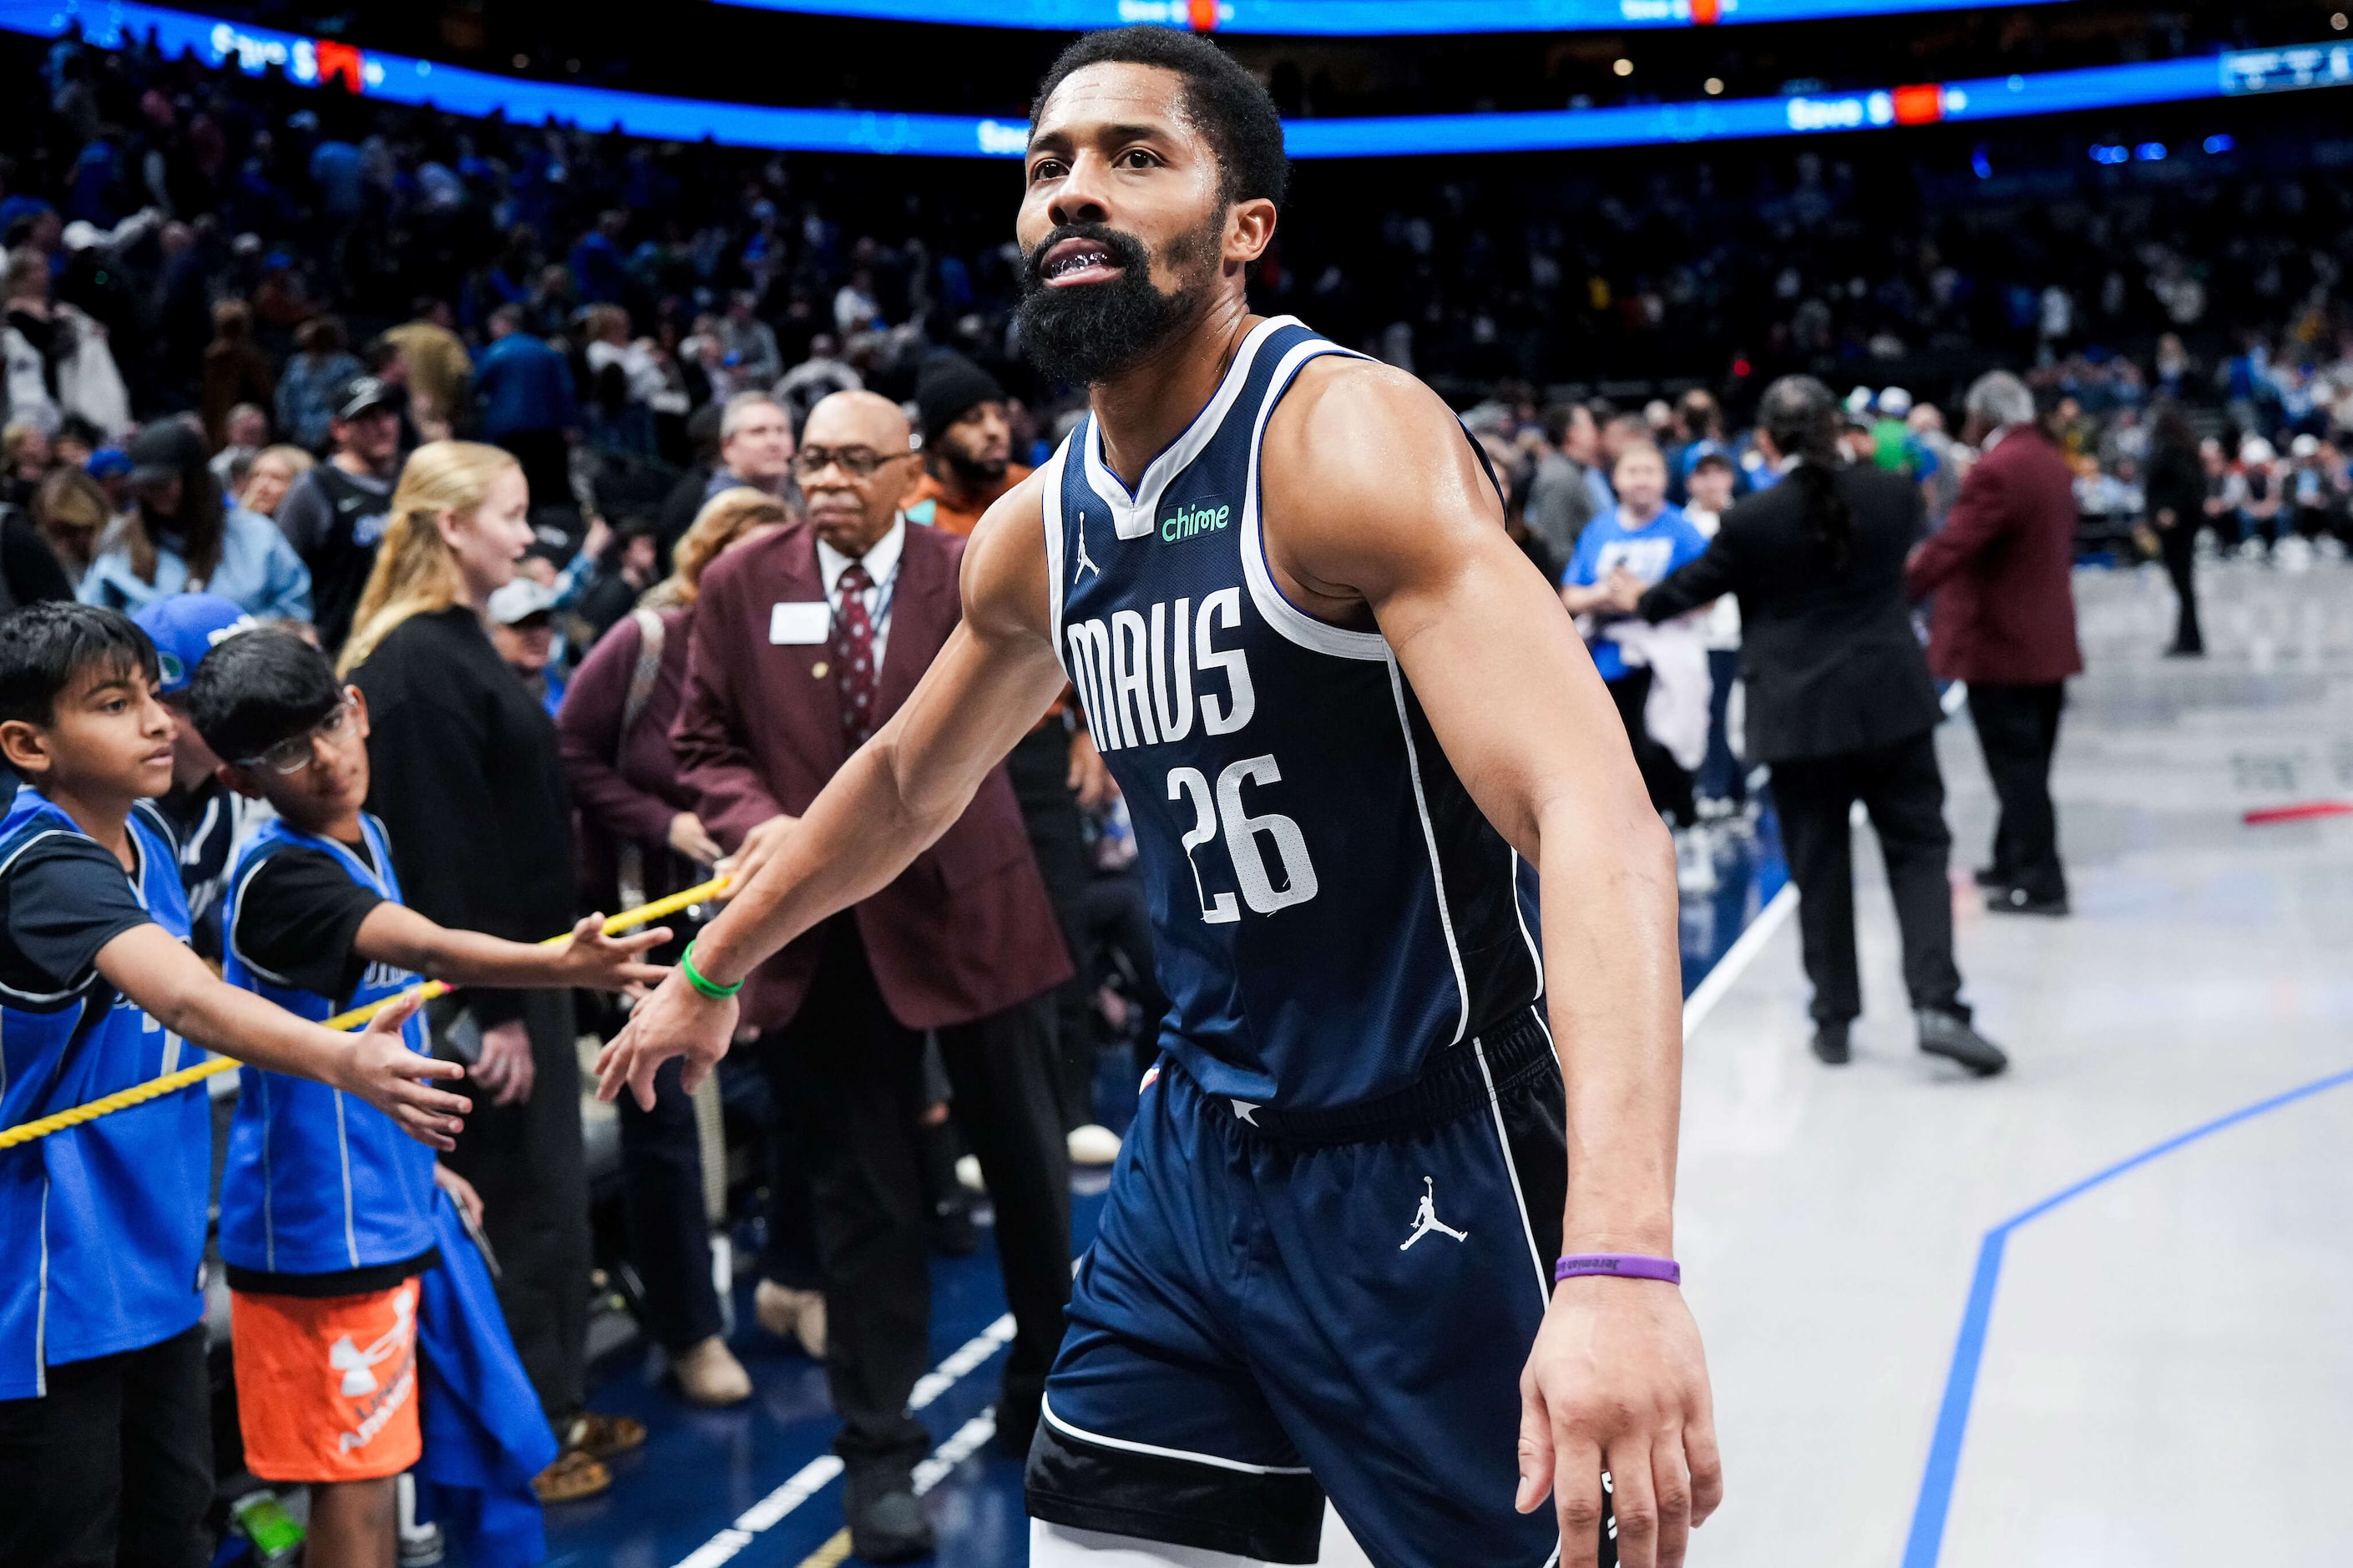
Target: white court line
[(813, 1477), (1736, 958)]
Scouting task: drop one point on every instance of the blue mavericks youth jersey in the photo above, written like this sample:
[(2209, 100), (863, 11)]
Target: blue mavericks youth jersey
[(102, 1225), (317, 1182), (1331, 907)]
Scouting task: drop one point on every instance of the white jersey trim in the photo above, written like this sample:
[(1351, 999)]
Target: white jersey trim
[(1083, 1435), (1521, 915), (1133, 514), (1052, 496), (1511, 1169), (1437, 871), (1294, 623)]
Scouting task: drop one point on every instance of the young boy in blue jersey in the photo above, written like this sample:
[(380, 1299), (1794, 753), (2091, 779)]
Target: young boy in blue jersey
[(1627, 548), (207, 817), (326, 1220), (105, 1431)]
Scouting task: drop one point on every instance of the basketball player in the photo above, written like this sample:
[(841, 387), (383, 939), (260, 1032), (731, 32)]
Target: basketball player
[(1350, 720)]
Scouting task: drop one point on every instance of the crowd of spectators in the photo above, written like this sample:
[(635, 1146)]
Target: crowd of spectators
[(238, 315)]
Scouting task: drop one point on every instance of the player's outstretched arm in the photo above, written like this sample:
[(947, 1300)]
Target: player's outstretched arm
[(889, 802), (176, 990), (1376, 503)]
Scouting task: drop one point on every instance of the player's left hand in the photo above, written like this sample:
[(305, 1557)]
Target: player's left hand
[(1617, 1382), (461, 1192), (594, 961)]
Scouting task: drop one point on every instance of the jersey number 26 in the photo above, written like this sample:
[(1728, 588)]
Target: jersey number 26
[(1223, 805)]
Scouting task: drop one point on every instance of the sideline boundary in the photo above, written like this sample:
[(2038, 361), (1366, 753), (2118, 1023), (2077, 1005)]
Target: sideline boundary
[(1926, 1542)]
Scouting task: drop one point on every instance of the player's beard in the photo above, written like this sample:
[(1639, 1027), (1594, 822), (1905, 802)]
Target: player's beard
[(1090, 333)]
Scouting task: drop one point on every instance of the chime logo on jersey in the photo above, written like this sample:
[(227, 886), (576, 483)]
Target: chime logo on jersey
[(1205, 516)]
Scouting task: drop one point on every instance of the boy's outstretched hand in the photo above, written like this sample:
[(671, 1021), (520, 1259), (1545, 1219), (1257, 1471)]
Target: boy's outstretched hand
[(379, 1068), (594, 961)]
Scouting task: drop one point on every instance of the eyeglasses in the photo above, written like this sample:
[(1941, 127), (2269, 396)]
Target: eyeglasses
[(857, 462), (294, 754)]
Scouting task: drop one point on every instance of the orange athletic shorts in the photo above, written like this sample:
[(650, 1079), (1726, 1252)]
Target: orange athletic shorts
[(326, 1389)]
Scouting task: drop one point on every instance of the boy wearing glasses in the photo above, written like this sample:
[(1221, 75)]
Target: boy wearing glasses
[(326, 1216)]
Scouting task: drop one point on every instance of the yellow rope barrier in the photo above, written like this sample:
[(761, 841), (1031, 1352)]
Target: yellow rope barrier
[(172, 1082)]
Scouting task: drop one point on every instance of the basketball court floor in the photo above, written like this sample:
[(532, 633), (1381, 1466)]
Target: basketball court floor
[(2090, 1314)]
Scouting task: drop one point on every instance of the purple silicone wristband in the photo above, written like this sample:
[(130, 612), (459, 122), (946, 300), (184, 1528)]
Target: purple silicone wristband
[(1624, 1265)]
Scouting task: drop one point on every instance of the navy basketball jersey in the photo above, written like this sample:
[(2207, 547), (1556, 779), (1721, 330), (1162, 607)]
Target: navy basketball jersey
[(1330, 906)]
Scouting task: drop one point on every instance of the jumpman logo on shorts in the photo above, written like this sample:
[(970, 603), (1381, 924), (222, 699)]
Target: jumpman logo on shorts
[(1425, 1219), (1085, 564)]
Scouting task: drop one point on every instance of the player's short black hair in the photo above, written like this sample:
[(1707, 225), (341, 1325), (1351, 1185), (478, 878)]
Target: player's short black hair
[(258, 689), (44, 648), (1224, 102)]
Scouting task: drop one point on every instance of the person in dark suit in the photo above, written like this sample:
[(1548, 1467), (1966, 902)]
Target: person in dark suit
[(2177, 505), (804, 643), (2004, 621), (1840, 706)]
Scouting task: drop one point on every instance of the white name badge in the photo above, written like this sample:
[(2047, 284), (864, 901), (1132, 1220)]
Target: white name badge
[(798, 623)]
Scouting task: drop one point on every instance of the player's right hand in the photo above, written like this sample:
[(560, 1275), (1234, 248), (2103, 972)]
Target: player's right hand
[(380, 1068), (677, 1020)]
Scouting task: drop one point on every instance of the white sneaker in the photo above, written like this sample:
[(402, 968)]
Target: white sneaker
[(968, 1174), (1094, 1145), (789, 1314), (709, 1374)]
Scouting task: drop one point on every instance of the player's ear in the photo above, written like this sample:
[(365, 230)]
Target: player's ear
[(25, 747), (358, 700), (1250, 229)]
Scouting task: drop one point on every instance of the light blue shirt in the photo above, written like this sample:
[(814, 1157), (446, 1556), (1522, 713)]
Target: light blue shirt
[(1664, 544), (257, 572)]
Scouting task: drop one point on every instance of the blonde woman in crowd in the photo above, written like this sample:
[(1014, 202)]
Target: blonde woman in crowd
[(641, 839), (71, 512), (272, 473), (465, 777)]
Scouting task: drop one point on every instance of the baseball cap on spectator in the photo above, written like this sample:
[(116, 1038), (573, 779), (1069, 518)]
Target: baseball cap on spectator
[(950, 387), (1894, 402), (107, 463), (164, 451), (360, 394), (184, 628), (520, 600)]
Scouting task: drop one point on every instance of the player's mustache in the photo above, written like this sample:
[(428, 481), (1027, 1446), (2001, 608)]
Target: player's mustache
[(1126, 249)]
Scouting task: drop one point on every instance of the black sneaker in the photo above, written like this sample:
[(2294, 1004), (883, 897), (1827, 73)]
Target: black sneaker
[(1831, 1045), (1991, 876), (1948, 1035), (2019, 901), (886, 1519)]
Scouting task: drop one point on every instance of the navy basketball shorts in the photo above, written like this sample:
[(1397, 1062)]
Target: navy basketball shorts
[(1282, 1306)]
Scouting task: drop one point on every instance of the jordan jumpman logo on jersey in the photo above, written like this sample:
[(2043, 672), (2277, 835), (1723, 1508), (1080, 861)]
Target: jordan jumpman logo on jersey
[(1085, 562), (1425, 1219)]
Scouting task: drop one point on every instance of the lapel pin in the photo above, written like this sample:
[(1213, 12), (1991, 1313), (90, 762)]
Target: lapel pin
[(819, 669)]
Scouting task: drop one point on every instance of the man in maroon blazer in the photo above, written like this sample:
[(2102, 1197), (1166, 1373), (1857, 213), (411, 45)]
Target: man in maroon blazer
[(803, 645), (2004, 621)]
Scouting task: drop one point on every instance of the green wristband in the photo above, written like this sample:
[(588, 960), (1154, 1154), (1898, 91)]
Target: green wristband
[(716, 992)]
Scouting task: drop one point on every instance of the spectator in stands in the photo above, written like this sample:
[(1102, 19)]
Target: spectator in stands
[(623, 570), (967, 445), (24, 458), (751, 340), (1722, 785), (306, 392), (439, 370), (272, 472), (527, 403), (70, 513), (2317, 487), (29, 570), (640, 839), (816, 378), (522, 621), (466, 778), (236, 371), (1561, 497), (182, 535), (334, 514), (2176, 509), (2004, 621), (685, 500), (756, 447), (1841, 706), (242, 435), (775, 700), (58, 364), (2254, 495), (628, 379)]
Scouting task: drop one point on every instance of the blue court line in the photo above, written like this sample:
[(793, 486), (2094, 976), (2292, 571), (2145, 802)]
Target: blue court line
[(1928, 1514)]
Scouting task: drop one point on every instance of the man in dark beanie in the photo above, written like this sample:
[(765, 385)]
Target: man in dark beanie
[(967, 445)]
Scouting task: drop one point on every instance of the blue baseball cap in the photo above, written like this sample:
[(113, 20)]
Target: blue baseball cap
[(184, 628)]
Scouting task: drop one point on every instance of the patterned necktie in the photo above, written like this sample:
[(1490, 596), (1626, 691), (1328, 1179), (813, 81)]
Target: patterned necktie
[(853, 656)]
